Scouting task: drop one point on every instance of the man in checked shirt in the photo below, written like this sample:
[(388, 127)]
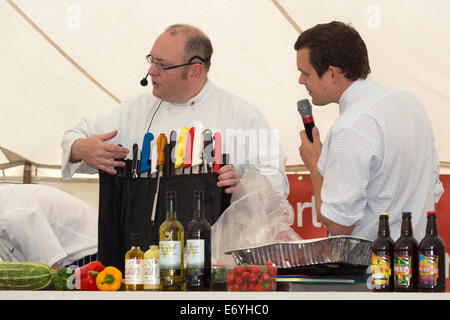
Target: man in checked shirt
[(379, 155)]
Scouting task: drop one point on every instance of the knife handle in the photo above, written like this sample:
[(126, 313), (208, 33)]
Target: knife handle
[(146, 152), (197, 147), (167, 155), (189, 147), (173, 150), (134, 163), (181, 146), (217, 152), (161, 145), (207, 150), (154, 159)]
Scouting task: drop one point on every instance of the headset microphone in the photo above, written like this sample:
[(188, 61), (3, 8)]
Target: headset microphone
[(144, 81)]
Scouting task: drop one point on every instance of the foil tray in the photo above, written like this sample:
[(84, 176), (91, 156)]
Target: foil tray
[(324, 256)]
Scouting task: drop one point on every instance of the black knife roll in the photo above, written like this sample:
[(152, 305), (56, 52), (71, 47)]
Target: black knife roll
[(125, 207)]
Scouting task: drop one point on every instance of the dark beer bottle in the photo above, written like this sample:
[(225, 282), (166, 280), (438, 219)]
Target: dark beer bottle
[(383, 257), (198, 247), (405, 258), (431, 258)]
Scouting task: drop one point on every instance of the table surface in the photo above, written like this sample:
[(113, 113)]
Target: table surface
[(217, 295)]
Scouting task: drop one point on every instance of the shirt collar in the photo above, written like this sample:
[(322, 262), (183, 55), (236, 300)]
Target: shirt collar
[(353, 91), (194, 101)]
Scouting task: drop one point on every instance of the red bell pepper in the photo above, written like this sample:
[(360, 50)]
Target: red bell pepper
[(85, 276)]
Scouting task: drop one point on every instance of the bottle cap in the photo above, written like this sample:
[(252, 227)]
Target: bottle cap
[(431, 212), (153, 238), (406, 214), (135, 236), (135, 239), (384, 213)]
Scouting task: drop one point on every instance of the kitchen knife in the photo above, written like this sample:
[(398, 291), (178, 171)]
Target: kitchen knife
[(160, 147)]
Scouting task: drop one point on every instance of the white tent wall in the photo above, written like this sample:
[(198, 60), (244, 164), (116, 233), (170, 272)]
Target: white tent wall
[(50, 49)]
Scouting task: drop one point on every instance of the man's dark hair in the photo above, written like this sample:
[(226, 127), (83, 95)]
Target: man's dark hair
[(197, 43), (335, 44)]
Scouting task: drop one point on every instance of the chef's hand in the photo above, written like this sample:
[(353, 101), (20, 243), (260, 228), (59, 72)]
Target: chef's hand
[(97, 153), (228, 177), (310, 151)]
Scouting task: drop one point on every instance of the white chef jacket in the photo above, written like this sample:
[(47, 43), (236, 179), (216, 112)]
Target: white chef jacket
[(39, 223), (379, 156), (246, 135)]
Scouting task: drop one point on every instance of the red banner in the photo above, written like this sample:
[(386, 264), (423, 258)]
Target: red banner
[(307, 225)]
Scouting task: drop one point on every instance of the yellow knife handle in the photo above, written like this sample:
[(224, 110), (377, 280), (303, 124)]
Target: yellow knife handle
[(181, 145)]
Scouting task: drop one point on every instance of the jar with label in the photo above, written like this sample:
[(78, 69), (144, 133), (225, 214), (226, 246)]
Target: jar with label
[(151, 266), (134, 266)]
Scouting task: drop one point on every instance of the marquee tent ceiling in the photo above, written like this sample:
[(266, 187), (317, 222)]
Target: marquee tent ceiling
[(65, 60)]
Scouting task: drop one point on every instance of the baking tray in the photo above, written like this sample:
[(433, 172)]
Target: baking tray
[(338, 255)]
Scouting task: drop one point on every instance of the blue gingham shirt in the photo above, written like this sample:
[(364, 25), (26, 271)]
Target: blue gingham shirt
[(379, 156)]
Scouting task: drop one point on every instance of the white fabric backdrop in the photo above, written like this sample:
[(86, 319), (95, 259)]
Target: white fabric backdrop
[(42, 93)]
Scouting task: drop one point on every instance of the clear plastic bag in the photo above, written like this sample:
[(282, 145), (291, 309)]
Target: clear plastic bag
[(258, 215)]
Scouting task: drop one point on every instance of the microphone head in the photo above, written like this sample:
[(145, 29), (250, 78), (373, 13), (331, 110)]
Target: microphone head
[(304, 107), (144, 82)]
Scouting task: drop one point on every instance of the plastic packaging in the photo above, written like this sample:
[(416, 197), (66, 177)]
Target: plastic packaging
[(258, 215)]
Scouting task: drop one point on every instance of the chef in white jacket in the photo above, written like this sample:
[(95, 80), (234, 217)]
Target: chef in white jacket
[(182, 96), (39, 223)]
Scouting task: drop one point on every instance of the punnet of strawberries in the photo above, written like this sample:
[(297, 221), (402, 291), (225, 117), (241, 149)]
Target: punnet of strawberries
[(252, 278)]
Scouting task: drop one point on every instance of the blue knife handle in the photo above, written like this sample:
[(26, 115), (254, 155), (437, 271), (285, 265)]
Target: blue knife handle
[(146, 152)]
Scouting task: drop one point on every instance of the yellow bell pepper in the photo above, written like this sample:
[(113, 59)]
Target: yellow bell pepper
[(109, 279)]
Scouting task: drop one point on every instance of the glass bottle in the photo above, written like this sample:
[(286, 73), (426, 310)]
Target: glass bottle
[(171, 244), (431, 258), (134, 266), (405, 258), (198, 247), (383, 257), (151, 265)]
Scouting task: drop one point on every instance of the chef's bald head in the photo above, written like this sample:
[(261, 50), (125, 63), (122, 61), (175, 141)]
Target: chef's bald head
[(197, 42)]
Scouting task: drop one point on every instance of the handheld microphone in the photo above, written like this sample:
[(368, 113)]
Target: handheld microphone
[(304, 107), (144, 81)]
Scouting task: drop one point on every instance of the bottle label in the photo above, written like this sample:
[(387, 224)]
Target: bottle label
[(402, 270), (428, 269), (381, 270), (151, 271), (170, 254), (133, 271), (195, 253)]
